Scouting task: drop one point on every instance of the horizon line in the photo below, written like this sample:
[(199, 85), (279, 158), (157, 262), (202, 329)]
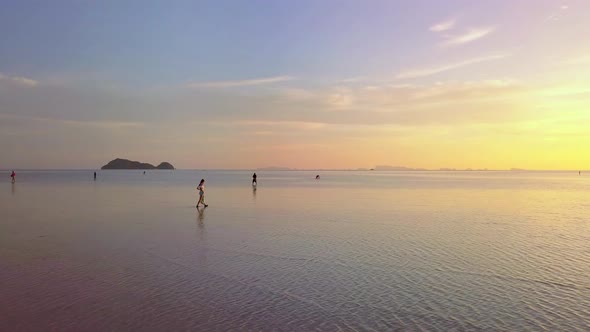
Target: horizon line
[(304, 169)]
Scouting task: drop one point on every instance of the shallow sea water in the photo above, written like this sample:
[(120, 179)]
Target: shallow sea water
[(366, 251)]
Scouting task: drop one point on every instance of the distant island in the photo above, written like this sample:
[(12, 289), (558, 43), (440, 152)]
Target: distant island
[(129, 164)]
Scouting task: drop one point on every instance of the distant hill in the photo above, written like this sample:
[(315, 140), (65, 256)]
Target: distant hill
[(396, 168), (129, 164), (165, 165)]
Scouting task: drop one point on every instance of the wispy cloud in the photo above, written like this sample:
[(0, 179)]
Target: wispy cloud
[(95, 123), (296, 94), (558, 14), (340, 98), (443, 26), (289, 124), (238, 83), (470, 36), (352, 79), (19, 80), (423, 72)]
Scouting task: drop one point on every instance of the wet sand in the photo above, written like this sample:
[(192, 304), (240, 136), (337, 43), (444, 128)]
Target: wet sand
[(365, 252)]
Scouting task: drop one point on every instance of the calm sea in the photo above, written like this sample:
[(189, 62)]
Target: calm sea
[(497, 251)]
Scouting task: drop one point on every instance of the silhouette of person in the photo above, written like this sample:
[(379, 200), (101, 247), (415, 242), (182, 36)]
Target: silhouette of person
[(13, 177), (94, 176), (201, 189), (254, 180)]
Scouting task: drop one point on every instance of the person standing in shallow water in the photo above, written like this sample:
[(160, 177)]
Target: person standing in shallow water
[(13, 177), (201, 189), (94, 176), (254, 180)]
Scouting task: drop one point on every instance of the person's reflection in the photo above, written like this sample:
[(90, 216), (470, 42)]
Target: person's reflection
[(201, 217), (201, 239), (13, 189), (201, 224), (253, 192)]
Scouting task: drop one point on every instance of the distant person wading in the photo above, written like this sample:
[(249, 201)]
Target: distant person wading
[(201, 189), (13, 177), (254, 180)]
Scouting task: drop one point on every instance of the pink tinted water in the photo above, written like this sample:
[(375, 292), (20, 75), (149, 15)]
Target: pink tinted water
[(353, 251)]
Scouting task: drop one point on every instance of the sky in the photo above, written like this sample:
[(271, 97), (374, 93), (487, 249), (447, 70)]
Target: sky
[(302, 84)]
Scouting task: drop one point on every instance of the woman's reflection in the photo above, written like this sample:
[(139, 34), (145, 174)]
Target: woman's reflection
[(201, 256), (201, 217)]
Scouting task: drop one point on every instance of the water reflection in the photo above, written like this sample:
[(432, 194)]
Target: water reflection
[(13, 189), (201, 231), (200, 217), (201, 255), (437, 243)]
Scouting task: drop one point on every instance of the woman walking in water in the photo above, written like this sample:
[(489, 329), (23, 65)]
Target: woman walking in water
[(13, 176), (201, 189), (254, 180)]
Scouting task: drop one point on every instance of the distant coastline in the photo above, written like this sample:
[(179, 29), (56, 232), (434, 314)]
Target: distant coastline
[(388, 168)]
